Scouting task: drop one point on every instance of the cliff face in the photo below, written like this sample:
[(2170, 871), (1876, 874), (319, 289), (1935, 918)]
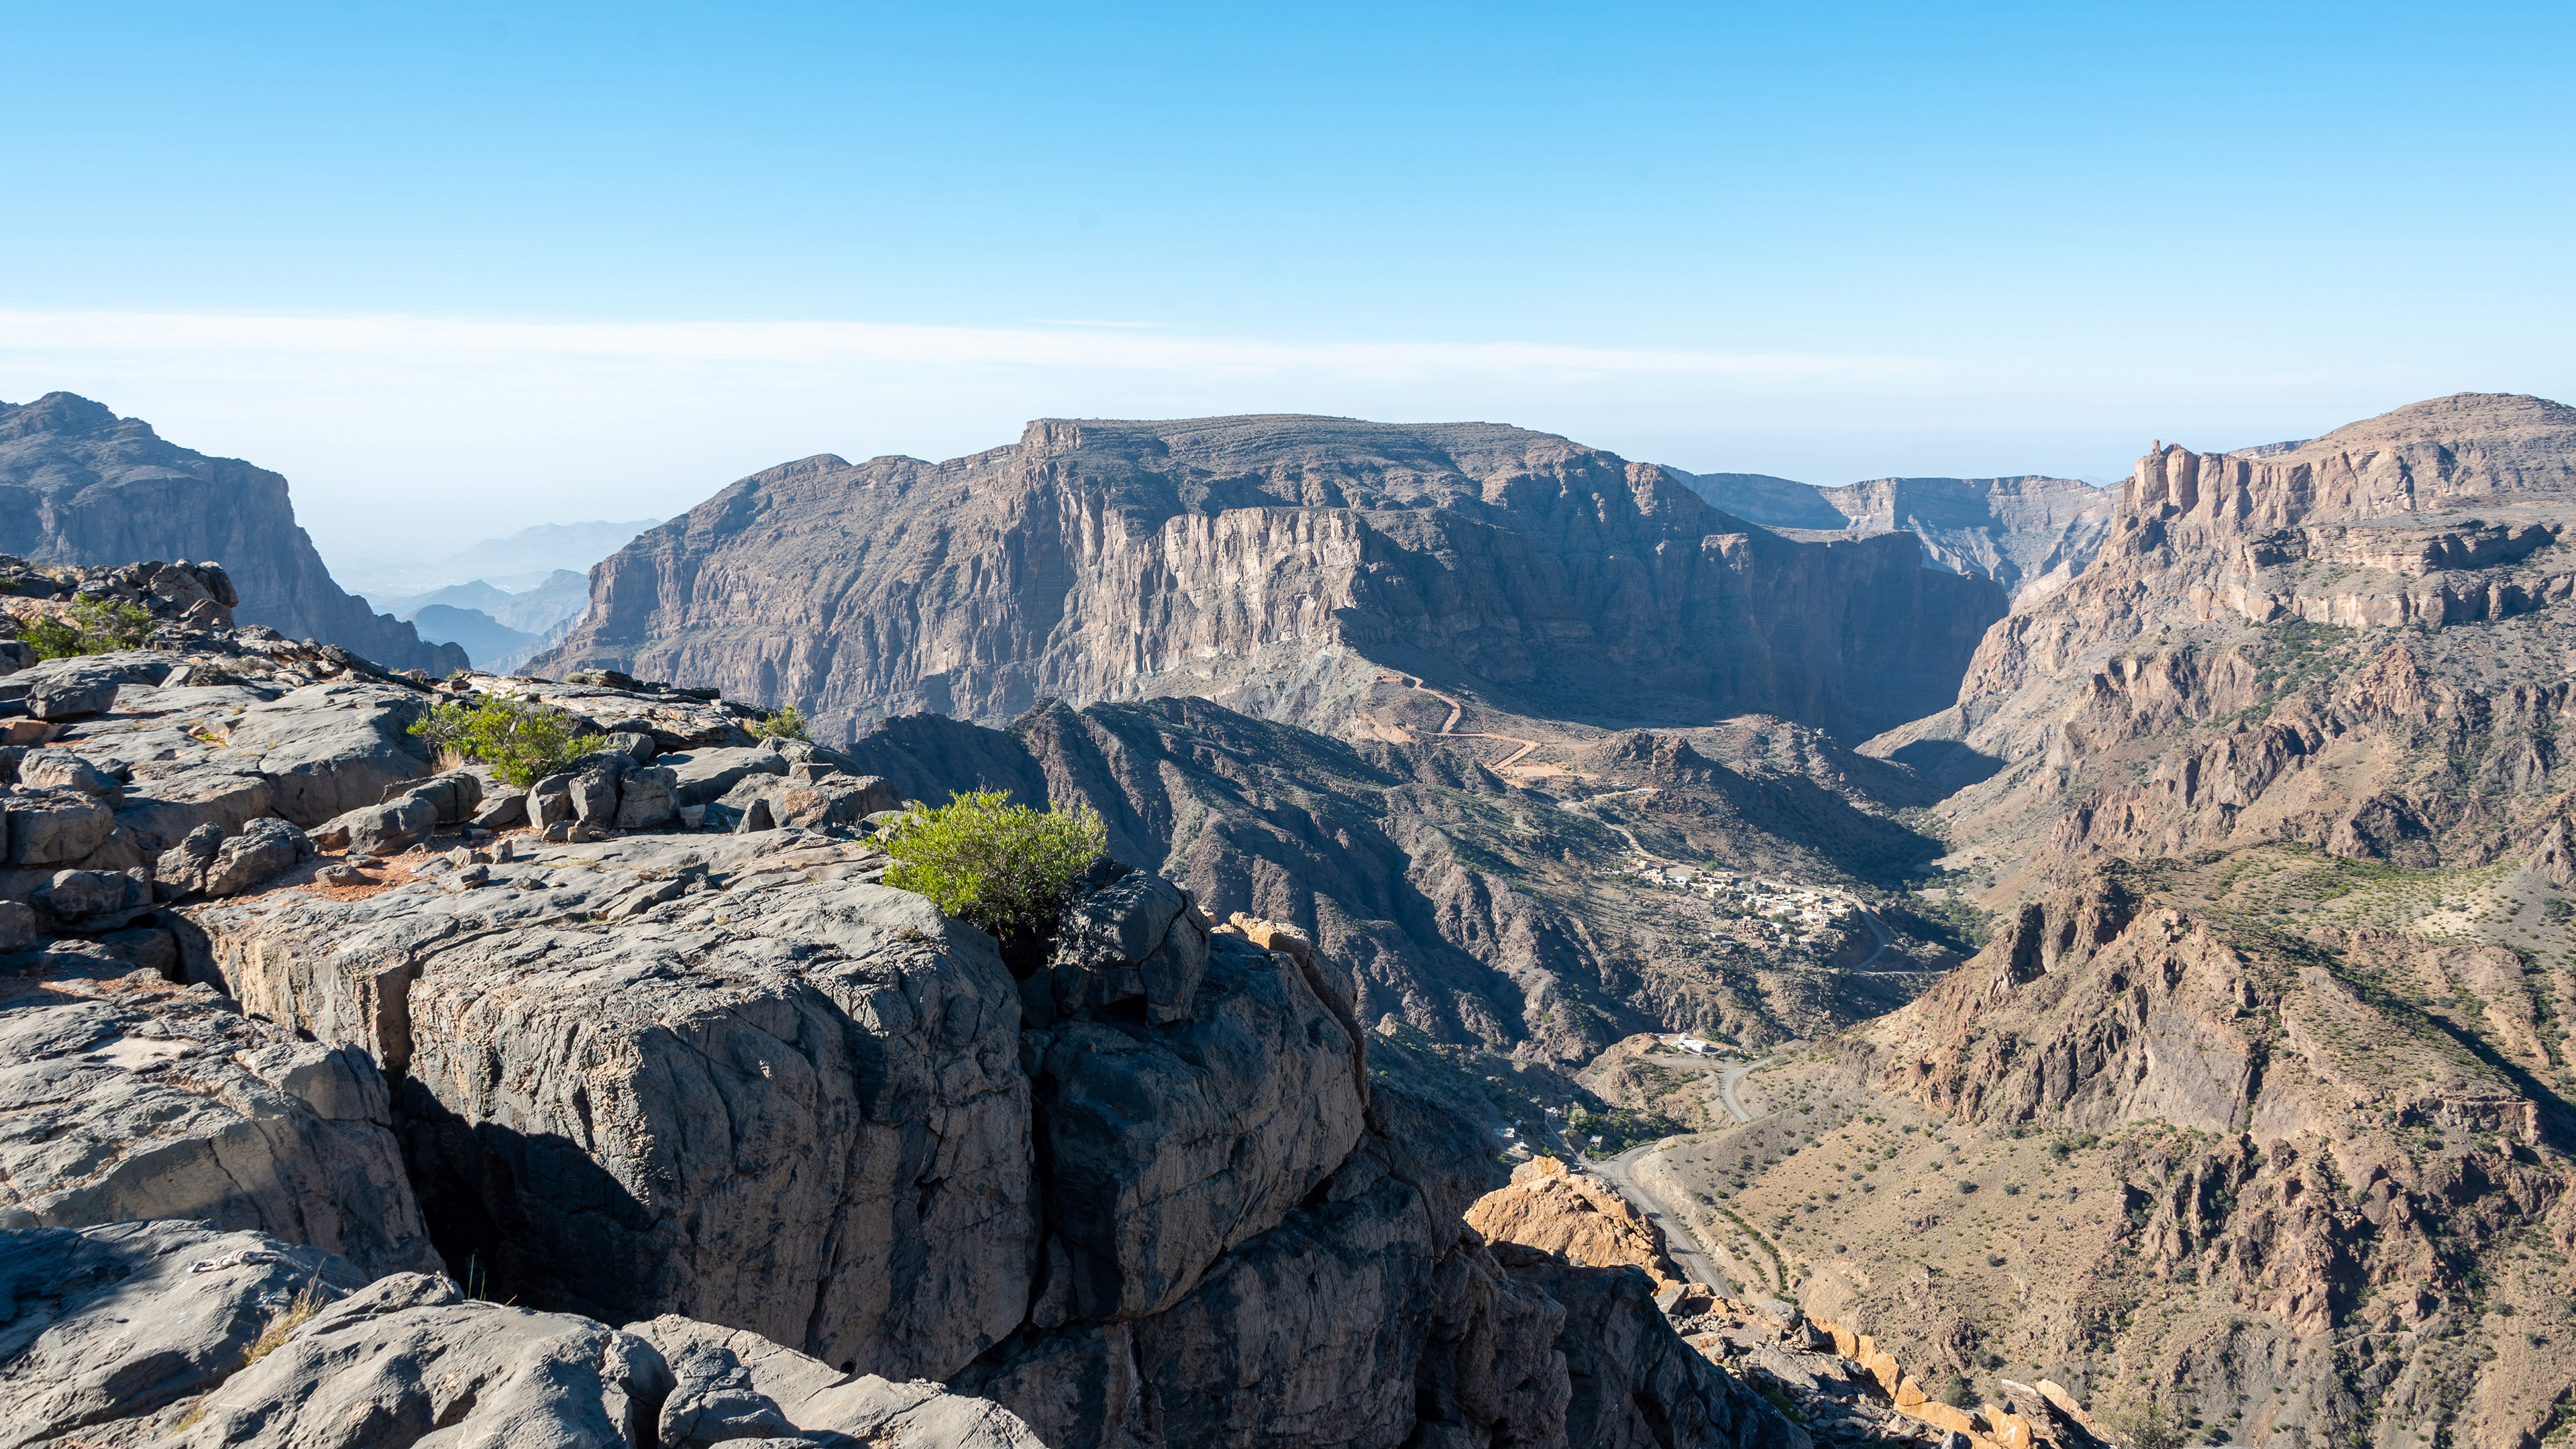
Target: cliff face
[(79, 484), (2030, 534), (2354, 643), (1267, 559)]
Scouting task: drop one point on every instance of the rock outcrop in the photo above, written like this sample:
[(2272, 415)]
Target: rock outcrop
[(177, 1333), (1579, 1219), (1270, 560), (2350, 643), (80, 485), (125, 1097)]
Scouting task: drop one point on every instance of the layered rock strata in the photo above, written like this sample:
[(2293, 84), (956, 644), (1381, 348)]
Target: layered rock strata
[(2352, 643), (2030, 534), (1264, 558)]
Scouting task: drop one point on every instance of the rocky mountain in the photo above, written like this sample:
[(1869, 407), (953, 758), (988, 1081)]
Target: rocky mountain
[(80, 485), (502, 629), (1538, 915), (350, 1100), (475, 632), (1277, 564), (2030, 534), (2273, 1142), (2355, 644)]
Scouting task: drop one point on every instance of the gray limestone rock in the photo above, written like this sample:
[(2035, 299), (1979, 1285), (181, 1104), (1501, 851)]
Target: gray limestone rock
[(702, 776), (1363, 1318), (60, 769), (109, 1324), (500, 812), (387, 829), (646, 798), (1637, 1385), (181, 870), (636, 744), (1170, 1145), (788, 1102), (71, 698), (732, 1386), (160, 812), (593, 794), (263, 851), (55, 827), (409, 1359), (332, 748), (159, 1103), (17, 926), (456, 795), (74, 895), (1134, 936)]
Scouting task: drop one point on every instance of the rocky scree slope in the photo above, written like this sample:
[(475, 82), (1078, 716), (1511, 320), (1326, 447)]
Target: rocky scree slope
[(1270, 562), (2319, 1185), (2030, 534), (2358, 643), (792, 1127), (80, 485)]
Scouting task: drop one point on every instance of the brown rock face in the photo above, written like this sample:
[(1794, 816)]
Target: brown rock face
[(2300, 1147), (80, 485), (1584, 1221), (1261, 555), (2272, 646)]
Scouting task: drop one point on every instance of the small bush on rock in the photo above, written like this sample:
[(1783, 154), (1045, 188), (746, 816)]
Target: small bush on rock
[(787, 724), (95, 626), (523, 741), (1004, 867)]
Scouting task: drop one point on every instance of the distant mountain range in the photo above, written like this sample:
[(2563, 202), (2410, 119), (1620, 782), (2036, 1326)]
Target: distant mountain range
[(501, 628), (525, 560), (2030, 534)]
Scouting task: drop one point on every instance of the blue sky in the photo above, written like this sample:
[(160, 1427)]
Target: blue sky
[(565, 262)]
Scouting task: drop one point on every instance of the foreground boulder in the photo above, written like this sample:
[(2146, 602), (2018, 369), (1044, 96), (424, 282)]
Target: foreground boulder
[(123, 1097), (175, 1333), (755, 1095), (131, 1321)]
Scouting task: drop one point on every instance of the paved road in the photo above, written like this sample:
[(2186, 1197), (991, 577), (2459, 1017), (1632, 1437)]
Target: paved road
[(1678, 1242), (1727, 1077), (1884, 941)]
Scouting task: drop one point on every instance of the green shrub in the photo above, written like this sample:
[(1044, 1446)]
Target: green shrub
[(96, 626), (1003, 867), (522, 740), (787, 724), (1953, 1390)]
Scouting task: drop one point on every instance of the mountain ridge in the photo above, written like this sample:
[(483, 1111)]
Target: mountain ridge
[(78, 484)]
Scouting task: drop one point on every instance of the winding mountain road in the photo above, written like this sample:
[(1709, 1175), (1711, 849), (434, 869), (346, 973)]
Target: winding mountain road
[(1679, 1244), (1727, 1077), (1449, 727)]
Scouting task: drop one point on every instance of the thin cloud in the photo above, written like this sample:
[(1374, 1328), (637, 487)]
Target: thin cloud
[(416, 341)]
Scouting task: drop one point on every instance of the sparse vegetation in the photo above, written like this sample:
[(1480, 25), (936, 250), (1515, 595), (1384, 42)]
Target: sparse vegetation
[(522, 740), (1003, 867), (786, 723), (91, 626)]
